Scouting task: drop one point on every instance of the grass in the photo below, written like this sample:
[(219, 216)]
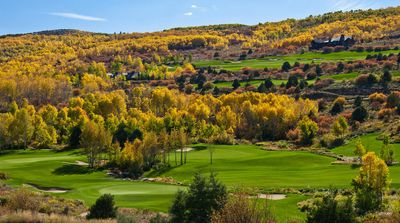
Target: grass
[(371, 143), (286, 210), (40, 168), (277, 61), (250, 166), (243, 166)]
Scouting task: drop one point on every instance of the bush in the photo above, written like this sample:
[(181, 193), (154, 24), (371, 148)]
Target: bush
[(329, 209), (377, 97), (3, 176), (103, 208), (330, 141), (308, 130), (241, 209), (23, 200)]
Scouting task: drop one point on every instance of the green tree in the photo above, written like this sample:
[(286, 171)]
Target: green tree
[(178, 208), (104, 208), (202, 199), (360, 114), (236, 84), (386, 77), (286, 66)]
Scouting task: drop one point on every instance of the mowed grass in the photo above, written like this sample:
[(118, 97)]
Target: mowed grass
[(250, 166), (37, 167), (370, 142), (239, 166), (277, 61)]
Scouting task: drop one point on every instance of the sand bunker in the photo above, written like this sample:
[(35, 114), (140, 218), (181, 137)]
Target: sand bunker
[(187, 149), (274, 197), (48, 189)]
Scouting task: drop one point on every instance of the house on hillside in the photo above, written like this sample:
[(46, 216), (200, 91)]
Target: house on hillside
[(345, 41)]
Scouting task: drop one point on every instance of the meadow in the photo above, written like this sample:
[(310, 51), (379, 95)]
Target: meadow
[(277, 61)]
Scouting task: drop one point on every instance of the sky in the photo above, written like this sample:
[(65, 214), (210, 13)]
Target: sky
[(109, 16)]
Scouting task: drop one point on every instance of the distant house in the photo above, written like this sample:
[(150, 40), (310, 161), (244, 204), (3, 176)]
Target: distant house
[(128, 76), (345, 41)]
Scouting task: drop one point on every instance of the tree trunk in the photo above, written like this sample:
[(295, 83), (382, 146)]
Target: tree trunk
[(175, 157), (181, 156)]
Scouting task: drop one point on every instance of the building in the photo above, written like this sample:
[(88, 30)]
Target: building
[(345, 41)]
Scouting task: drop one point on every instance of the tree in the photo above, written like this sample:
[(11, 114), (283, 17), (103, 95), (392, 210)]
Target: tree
[(74, 139), (358, 102), (360, 114), (293, 81), (340, 127), (95, 139), (386, 77), (202, 199), (308, 130), (178, 208), (268, 83), (387, 152), (103, 208), (22, 127), (286, 66), (360, 149), (236, 84), (370, 184), (338, 105), (262, 88)]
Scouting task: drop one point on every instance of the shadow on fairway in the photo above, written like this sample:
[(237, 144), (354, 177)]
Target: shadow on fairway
[(70, 169)]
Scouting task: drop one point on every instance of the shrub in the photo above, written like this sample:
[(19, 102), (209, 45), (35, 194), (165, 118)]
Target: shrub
[(327, 50), (103, 208), (23, 200), (377, 97), (308, 130), (386, 113), (3, 176), (241, 209), (393, 100), (329, 209), (330, 141), (292, 135)]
